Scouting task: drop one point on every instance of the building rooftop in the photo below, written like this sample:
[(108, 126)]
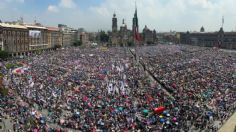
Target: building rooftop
[(34, 26), (12, 26), (52, 28)]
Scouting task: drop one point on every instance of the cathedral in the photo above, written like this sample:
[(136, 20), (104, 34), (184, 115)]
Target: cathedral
[(126, 37)]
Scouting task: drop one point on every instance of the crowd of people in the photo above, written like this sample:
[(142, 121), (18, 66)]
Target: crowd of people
[(98, 89), (203, 80)]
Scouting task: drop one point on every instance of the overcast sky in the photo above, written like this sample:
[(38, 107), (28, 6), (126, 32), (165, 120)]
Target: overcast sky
[(94, 15)]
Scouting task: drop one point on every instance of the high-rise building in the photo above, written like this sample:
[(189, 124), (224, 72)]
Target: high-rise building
[(114, 23)]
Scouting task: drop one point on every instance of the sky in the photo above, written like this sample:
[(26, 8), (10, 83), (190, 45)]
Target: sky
[(94, 15)]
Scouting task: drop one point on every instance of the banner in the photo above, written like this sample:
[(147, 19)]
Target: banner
[(34, 33)]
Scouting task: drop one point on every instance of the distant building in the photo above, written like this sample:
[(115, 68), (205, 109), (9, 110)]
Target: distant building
[(84, 38), (124, 36), (219, 39), (37, 37), (114, 23), (14, 38), (19, 38), (69, 35), (135, 27), (149, 37), (202, 29), (54, 37)]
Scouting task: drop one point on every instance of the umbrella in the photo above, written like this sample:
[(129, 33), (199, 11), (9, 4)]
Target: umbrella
[(176, 108), (159, 109), (35, 130), (174, 119), (145, 111), (120, 108), (165, 112), (167, 122), (18, 70), (42, 120), (161, 116), (62, 121), (162, 120)]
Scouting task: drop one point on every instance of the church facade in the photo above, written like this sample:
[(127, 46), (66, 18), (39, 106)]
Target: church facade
[(127, 37)]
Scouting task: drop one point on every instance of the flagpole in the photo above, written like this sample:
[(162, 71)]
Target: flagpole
[(223, 21)]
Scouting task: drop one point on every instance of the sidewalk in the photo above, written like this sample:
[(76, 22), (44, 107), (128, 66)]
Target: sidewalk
[(229, 124)]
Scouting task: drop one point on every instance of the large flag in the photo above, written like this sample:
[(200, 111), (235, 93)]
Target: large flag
[(137, 36)]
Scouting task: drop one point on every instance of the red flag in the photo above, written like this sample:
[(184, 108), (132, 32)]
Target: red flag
[(136, 34)]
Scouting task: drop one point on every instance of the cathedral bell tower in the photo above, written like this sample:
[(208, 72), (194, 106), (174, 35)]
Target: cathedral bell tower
[(114, 23)]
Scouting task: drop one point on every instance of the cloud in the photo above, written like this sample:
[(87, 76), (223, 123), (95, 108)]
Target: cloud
[(162, 15), (53, 8), (67, 4), (166, 15)]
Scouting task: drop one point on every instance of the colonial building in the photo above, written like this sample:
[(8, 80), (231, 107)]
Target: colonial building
[(114, 23), (69, 35), (84, 38), (19, 38), (54, 37), (14, 38), (219, 39), (38, 39), (149, 36), (124, 36), (135, 27)]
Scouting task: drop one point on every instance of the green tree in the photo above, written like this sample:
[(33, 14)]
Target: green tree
[(57, 46), (77, 43), (149, 42), (4, 54), (9, 66), (130, 43), (104, 37)]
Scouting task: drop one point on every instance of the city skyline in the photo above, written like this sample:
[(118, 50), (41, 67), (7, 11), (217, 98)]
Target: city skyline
[(94, 15)]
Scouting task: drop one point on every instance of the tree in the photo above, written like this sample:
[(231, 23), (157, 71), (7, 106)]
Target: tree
[(57, 46), (9, 66), (130, 43), (4, 54), (104, 37), (149, 42), (77, 43)]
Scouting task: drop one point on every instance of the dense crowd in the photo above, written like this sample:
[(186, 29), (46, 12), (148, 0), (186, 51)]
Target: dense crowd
[(97, 89), (203, 80)]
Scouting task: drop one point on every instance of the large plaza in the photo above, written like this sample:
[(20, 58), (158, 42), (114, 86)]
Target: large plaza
[(149, 88)]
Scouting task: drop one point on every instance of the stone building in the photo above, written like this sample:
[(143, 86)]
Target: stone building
[(124, 36), (84, 38), (148, 36), (54, 37), (219, 39), (38, 39), (14, 38), (114, 23), (69, 35)]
